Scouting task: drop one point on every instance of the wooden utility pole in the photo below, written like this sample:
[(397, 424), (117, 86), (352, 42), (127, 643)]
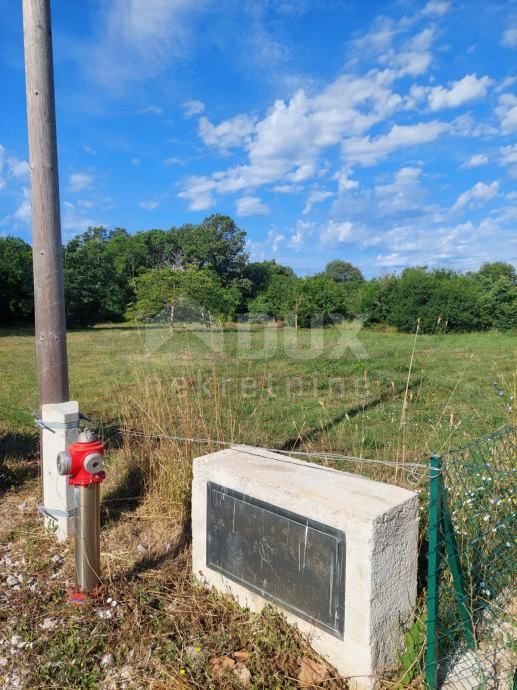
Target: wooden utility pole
[(49, 297)]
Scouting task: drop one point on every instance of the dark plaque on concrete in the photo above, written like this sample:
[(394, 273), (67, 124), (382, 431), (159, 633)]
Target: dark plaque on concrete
[(293, 561)]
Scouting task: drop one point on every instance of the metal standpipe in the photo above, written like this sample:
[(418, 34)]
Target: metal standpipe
[(87, 537), (83, 463)]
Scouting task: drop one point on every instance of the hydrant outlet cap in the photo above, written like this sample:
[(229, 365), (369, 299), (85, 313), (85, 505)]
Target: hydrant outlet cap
[(93, 463), (87, 436), (64, 463)]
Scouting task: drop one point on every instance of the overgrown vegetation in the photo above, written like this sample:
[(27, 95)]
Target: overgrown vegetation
[(276, 387), (203, 272)]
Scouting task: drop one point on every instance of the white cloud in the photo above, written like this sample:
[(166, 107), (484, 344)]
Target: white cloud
[(151, 110), (191, 108), (509, 39), (467, 89), (345, 184), (464, 246), (466, 125), (316, 196), (475, 161), (403, 194), (393, 260), (80, 181), (303, 230), (230, 133), (506, 110), (85, 203), (172, 161), (505, 84), (508, 158), (285, 145), (479, 194), (74, 221), (250, 206), (149, 205), (135, 162), (287, 188), (409, 57), (138, 39), (23, 211), (11, 167), (334, 233), (17, 168), (275, 240), (414, 57), (369, 151), (436, 8), (508, 154)]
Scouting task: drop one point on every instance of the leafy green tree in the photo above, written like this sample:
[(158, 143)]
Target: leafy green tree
[(189, 293), (498, 284), (323, 302), (162, 248), (216, 244), (343, 272), (439, 300), (260, 273), (307, 302), (280, 300), (16, 284), (376, 299), (93, 293), (130, 258)]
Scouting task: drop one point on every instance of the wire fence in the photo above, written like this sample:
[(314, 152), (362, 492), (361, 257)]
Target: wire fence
[(472, 559)]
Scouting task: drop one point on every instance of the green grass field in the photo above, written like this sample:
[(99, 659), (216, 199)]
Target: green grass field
[(278, 387), (389, 396)]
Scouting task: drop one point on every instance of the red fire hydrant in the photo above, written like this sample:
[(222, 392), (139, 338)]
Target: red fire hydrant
[(83, 463)]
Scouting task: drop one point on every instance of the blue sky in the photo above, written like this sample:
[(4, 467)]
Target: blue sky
[(383, 133)]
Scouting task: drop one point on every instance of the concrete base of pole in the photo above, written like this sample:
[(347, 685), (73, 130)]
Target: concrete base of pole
[(87, 538), (62, 427)]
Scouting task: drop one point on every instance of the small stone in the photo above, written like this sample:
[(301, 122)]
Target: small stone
[(243, 673), (221, 665), (126, 672), (15, 639), (114, 603), (241, 656), (57, 560), (48, 624), (105, 614), (3, 661), (12, 581), (107, 660), (23, 506), (142, 548)]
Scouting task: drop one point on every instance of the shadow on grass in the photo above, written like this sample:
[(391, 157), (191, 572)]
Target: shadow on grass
[(183, 542), (18, 459), (296, 442), (125, 497)]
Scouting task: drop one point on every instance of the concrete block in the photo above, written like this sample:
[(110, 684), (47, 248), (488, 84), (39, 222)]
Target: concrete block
[(380, 527), (58, 496)]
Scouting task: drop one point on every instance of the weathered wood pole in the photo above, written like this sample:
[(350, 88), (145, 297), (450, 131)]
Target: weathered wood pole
[(49, 297)]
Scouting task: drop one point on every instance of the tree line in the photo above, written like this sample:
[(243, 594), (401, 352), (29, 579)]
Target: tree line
[(201, 272)]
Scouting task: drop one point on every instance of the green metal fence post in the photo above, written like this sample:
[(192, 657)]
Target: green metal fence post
[(455, 568), (433, 564)]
